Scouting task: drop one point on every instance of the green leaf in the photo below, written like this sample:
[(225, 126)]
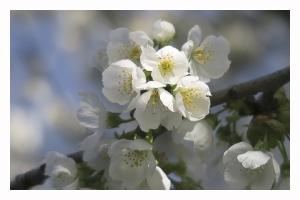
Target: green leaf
[(276, 126), (285, 169), (284, 118), (174, 37)]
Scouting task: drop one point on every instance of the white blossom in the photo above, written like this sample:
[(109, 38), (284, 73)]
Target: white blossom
[(125, 44), (92, 115), (191, 98), (131, 161), (99, 57), (197, 136), (163, 31), (247, 167), (215, 164), (96, 156), (62, 170), (167, 65), (208, 59), (121, 80), (156, 106), (111, 184), (158, 181)]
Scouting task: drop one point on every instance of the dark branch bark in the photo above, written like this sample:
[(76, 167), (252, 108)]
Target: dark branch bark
[(267, 84)]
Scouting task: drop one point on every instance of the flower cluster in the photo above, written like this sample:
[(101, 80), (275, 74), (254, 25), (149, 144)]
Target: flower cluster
[(166, 92), (162, 84)]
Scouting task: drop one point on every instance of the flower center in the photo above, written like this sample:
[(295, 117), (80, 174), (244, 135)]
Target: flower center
[(131, 51), (135, 157), (189, 95), (258, 170), (166, 64), (127, 83), (156, 102), (203, 54), (62, 175)]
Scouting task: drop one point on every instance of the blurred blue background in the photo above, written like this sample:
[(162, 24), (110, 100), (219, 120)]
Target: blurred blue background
[(50, 50)]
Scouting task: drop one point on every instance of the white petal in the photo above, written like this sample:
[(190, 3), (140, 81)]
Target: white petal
[(119, 35), (92, 140), (113, 53), (149, 59), (186, 81), (110, 76), (187, 48), (185, 127), (234, 177), (151, 85), (215, 165), (200, 108), (159, 180), (215, 69), (275, 165), (151, 163), (147, 119), (118, 146), (127, 64), (196, 69), (143, 100), (253, 159), (171, 120), (88, 118), (114, 95), (72, 186), (99, 57), (97, 157), (112, 184), (195, 35), (132, 104), (156, 75), (119, 170), (140, 144), (140, 38), (231, 154), (139, 78), (167, 99), (181, 64), (53, 159), (265, 180), (180, 105), (220, 43), (92, 110), (167, 50), (203, 138)]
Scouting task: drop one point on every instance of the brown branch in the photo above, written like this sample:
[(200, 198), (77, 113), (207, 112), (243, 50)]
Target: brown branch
[(267, 84)]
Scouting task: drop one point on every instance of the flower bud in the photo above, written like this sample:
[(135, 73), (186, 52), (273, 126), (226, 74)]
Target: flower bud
[(163, 31)]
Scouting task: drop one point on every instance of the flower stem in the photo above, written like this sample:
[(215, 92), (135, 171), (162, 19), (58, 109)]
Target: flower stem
[(283, 151), (128, 120), (149, 137)]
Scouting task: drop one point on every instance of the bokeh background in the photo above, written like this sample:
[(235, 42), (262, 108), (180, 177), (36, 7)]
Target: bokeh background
[(49, 64)]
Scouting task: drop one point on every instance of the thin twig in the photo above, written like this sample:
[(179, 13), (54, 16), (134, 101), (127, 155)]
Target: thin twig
[(269, 84)]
